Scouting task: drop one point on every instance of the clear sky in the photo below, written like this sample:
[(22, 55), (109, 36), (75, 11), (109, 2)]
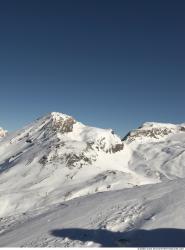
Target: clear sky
[(108, 63)]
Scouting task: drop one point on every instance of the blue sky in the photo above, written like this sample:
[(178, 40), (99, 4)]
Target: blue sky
[(108, 63)]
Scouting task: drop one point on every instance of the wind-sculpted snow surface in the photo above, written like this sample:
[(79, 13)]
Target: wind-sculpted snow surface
[(56, 159), (151, 215)]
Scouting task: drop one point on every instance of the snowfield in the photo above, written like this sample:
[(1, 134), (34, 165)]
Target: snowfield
[(63, 183), (151, 215)]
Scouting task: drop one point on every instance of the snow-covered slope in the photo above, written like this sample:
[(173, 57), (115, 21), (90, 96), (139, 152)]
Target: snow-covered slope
[(151, 215), (158, 150), (56, 159)]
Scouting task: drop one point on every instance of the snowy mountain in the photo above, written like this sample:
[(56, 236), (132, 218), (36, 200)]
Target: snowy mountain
[(154, 130), (57, 151), (158, 150), (2, 132), (56, 159)]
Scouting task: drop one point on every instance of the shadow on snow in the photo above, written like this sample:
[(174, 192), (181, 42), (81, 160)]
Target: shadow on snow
[(162, 237)]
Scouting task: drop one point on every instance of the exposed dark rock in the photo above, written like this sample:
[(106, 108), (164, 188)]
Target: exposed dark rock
[(151, 133), (28, 140), (43, 160), (63, 126), (117, 147), (71, 159), (182, 129)]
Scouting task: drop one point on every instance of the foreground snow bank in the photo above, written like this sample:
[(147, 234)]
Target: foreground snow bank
[(151, 215)]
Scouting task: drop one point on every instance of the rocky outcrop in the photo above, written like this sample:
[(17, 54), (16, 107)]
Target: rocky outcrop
[(61, 124), (153, 131), (66, 141)]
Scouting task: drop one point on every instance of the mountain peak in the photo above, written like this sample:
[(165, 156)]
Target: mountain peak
[(58, 115), (60, 122), (154, 130), (2, 132), (150, 125)]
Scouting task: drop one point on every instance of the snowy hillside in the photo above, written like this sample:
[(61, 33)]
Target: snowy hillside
[(158, 150), (151, 215), (56, 159)]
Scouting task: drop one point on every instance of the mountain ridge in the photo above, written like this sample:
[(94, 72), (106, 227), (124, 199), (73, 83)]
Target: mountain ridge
[(57, 173), (57, 151)]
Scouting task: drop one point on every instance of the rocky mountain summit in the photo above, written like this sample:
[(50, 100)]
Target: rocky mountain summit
[(66, 140)]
